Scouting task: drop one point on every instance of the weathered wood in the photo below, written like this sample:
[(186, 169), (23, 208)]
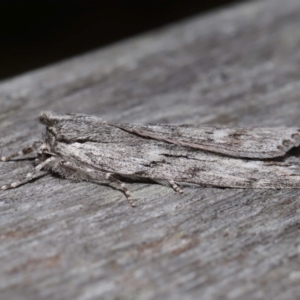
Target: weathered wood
[(65, 240)]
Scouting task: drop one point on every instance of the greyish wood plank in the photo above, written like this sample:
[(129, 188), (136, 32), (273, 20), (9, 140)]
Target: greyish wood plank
[(65, 240)]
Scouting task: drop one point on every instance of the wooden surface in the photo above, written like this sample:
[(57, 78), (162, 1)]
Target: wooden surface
[(65, 240)]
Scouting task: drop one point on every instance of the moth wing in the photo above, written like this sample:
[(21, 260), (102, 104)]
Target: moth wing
[(81, 128), (166, 163), (237, 142)]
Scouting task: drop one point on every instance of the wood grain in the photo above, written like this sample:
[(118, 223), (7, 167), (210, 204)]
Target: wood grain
[(65, 240)]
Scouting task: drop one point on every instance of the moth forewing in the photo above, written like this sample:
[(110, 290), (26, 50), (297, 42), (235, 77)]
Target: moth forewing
[(256, 142)]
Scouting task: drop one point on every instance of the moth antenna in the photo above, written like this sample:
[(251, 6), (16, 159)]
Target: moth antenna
[(175, 187), (22, 152), (37, 172)]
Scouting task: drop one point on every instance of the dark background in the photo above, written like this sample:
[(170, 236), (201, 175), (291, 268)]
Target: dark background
[(34, 33)]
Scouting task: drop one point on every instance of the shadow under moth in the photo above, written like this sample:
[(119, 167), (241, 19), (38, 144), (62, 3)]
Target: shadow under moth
[(87, 148)]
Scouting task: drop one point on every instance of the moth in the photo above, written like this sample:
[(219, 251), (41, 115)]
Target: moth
[(87, 148)]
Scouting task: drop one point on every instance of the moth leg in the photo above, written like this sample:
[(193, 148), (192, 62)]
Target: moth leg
[(110, 177), (36, 173), (175, 187), (22, 152), (96, 176)]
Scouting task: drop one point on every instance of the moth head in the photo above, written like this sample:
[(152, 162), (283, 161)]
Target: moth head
[(44, 152), (47, 117)]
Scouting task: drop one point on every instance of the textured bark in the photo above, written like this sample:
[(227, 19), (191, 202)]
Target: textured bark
[(66, 240)]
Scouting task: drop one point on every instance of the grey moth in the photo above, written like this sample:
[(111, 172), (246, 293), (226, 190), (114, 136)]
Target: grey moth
[(86, 148)]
